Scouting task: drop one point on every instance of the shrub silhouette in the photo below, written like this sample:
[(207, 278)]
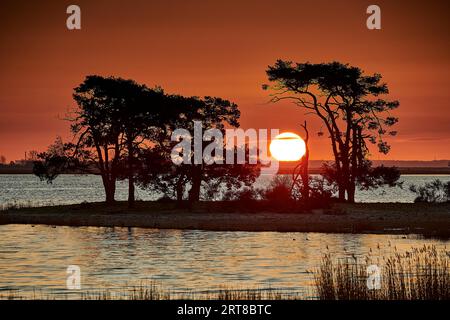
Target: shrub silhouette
[(432, 192)]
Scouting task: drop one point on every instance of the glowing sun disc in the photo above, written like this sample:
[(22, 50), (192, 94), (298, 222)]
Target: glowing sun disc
[(287, 147)]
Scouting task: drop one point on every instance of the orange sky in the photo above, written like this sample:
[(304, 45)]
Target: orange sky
[(222, 48)]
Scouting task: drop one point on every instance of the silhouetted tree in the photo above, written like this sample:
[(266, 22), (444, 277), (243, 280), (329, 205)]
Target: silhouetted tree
[(433, 192), (348, 103), (112, 119), (301, 170), (173, 179), (58, 159), (122, 130), (158, 174), (32, 155), (138, 112)]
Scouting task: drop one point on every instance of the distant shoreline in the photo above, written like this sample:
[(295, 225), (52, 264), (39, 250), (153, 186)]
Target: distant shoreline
[(283, 170), (403, 170), (375, 218)]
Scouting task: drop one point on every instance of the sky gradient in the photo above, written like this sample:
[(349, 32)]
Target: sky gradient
[(222, 48)]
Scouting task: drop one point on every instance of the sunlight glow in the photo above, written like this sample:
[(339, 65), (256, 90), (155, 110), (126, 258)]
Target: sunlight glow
[(287, 147)]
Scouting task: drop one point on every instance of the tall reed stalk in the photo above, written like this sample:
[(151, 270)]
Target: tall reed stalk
[(419, 274)]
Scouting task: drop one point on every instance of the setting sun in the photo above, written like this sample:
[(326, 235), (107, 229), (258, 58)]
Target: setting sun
[(287, 147)]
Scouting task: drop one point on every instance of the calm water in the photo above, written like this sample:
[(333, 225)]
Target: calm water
[(115, 259), (68, 189), (37, 257)]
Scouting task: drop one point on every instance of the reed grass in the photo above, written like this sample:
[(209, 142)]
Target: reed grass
[(24, 204), (419, 274), (153, 291)]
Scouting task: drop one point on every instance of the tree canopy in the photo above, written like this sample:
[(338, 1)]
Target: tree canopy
[(122, 130), (350, 106)]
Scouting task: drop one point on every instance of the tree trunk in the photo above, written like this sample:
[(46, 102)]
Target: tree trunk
[(351, 193), (110, 190), (194, 193), (180, 191), (131, 199), (304, 167), (110, 196), (341, 192), (342, 184), (340, 181), (345, 173), (130, 176), (354, 166), (305, 179)]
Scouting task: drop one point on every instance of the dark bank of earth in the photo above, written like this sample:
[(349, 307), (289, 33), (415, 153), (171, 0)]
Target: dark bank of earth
[(387, 218)]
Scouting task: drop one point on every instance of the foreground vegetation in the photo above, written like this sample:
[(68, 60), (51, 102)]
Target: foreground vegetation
[(153, 291), (419, 274), (432, 192)]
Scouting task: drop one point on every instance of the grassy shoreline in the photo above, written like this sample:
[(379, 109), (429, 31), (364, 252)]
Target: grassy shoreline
[(154, 291), (378, 218)]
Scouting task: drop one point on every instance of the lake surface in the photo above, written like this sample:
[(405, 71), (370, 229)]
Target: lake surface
[(36, 258), (68, 189)]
